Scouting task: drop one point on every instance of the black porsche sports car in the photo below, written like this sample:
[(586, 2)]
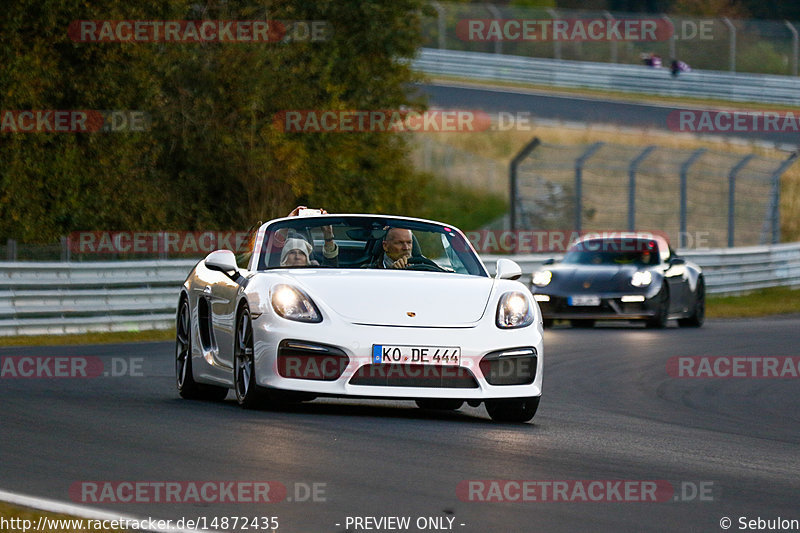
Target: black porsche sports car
[(624, 276)]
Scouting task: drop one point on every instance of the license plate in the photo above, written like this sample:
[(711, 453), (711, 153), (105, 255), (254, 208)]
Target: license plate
[(416, 355), (584, 300)]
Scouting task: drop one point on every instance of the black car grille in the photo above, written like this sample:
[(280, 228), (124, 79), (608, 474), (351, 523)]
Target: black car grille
[(312, 361), (389, 375)]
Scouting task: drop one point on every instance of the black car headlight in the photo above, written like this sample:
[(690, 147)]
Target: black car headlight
[(542, 278), (514, 310), (641, 278), (293, 304)]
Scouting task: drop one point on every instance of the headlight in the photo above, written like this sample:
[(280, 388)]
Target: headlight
[(293, 304), (641, 279), (514, 311), (542, 278)]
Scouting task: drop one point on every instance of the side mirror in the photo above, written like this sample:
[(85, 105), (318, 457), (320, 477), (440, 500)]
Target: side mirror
[(221, 261), (677, 261), (549, 261), (507, 269)]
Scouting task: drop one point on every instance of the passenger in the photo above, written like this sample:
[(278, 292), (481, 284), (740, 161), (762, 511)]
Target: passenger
[(296, 252)]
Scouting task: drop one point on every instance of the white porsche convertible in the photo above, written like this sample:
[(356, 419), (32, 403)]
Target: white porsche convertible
[(360, 306)]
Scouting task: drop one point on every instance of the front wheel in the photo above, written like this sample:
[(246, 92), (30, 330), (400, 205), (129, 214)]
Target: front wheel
[(659, 320), (248, 394), (698, 316), (513, 410), (184, 377)]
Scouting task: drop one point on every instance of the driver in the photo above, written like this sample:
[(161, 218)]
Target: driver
[(397, 245)]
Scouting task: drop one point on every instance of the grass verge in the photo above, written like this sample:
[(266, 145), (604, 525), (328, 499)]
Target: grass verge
[(23, 518), (89, 338), (763, 302)]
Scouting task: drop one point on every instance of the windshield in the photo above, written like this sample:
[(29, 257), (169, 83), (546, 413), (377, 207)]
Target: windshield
[(367, 242), (613, 252)]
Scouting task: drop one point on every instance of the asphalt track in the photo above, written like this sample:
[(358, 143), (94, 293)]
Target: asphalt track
[(565, 107), (610, 411)]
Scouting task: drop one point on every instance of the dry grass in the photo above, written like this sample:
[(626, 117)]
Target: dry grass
[(503, 145), (89, 338)]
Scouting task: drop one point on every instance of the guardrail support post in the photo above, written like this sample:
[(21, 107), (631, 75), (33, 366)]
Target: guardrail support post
[(775, 197), (11, 250), (684, 180), (632, 186), (579, 182), (731, 43), (795, 45), (65, 252), (732, 196), (512, 178), (441, 25)]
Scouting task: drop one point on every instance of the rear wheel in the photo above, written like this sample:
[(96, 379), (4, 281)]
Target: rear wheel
[(582, 323), (439, 404), (184, 377), (699, 313), (248, 394), (513, 410), (659, 320)]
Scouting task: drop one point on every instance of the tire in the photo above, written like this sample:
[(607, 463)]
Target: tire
[(582, 323), (184, 376), (547, 323), (248, 394), (440, 404), (659, 320), (513, 410), (698, 316)]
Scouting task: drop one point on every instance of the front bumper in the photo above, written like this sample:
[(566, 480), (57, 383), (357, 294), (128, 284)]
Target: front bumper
[(345, 366), (611, 308)]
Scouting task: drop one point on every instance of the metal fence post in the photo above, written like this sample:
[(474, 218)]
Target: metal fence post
[(632, 186), (498, 44), (556, 43), (732, 196), (441, 25), (672, 53), (775, 197), (731, 43), (614, 55), (795, 45), (512, 178), (684, 175), (579, 182)]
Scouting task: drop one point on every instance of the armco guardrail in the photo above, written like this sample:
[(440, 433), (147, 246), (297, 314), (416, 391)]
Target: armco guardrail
[(57, 298), (609, 76)]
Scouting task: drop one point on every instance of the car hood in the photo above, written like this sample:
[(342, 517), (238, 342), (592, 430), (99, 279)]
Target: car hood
[(599, 278), (381, 297)]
